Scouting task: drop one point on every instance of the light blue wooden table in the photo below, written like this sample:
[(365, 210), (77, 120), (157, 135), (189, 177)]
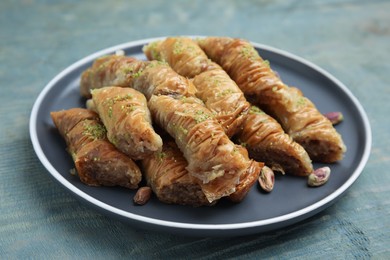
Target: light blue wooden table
[(40, 219)]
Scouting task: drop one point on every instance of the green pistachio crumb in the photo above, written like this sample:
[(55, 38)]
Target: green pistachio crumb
[(137, 74), (200, 116), (225, 92), (161, 156), (255, 110), (249, 52), (183, 130), (110, 111), (178, 47), (97, 131), (301, 101)]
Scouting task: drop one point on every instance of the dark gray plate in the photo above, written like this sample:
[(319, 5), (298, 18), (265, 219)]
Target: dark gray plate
[(291, 200)]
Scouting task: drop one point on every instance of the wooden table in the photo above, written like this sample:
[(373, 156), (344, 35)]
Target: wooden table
[(40, 219)]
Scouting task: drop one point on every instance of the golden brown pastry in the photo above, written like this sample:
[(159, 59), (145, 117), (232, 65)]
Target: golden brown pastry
[(214, 87), (110, 70), (266, 141), (218, 178), (297, 114), (158, 78), (127, 119), (182, 54), (149, 78), (165, 172), (247, 178), (223, 97), (226, 101), (97, 161), (211, 155)]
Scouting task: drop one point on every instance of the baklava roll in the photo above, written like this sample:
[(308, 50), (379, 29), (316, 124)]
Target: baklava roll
[(223, 98), (165, 172), (110, 70), (127, 119), (214, 87), (266, 141), (297, 114), (211, 155), (182, 54), (158, 78), (96, 160), (148, 77)]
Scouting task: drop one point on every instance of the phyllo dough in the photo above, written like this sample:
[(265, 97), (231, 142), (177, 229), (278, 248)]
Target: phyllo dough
[(165, 172), (182, 54), (247, 178), (266, 141), (297, 114), (211, 155), (214, 87), (127, 119), (148, 77), (110, 70), (223, 98), (158, 78), (96, 160)]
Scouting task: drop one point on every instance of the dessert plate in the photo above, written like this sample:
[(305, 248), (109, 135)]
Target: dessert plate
[(291, 200)]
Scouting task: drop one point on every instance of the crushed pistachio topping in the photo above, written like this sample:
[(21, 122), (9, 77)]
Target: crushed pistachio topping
[(132, 72), (201, 116), (155, 54), (225, 92), (161, 156), (152, 47), (255, 110), (157, 63), (301, 101), (249, 52), (137, 74), (111, 101), (96, 131), (178, 47), (217, 82), (266, 63), (128, 70), (110, 111), (183, 130), (128, 108)]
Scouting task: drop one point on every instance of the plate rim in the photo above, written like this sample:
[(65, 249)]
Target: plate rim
[(194, 226)]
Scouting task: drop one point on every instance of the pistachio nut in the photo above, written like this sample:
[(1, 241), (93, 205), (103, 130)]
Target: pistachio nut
[(142, 195), (334, 117), (319, 177), (267, 179)]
